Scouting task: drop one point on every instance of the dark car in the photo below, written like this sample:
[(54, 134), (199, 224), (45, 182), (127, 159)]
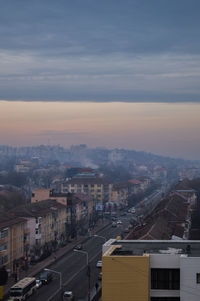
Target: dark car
[(100, 276), (78, 247), (45, 277), (114, 224)]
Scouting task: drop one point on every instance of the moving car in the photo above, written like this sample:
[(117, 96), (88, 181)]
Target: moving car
[(100, 276), (99, 264), (78, 247), (68, 296), (114, 225), (119, 222), (38, 283), (46, 277)]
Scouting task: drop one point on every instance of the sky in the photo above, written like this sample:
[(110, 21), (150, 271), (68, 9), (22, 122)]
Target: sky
[(108, 50), (122, 73), (161, 128)]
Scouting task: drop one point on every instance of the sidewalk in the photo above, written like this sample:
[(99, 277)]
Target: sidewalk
[(33, 270)]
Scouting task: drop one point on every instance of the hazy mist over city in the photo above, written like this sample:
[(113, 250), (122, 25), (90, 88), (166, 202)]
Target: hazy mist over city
[(100, 150)]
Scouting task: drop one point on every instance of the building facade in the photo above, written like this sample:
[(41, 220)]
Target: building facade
[(14, 243), (151, 270), (97, 188)]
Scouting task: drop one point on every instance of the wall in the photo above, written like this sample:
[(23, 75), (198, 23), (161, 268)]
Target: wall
[(125, 278), (165, 261), (189, 289)]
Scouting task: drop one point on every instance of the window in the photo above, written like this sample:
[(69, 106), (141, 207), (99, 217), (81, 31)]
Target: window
[(3, 247), (4, 259), (198, 277), (166, 279), (4, 233)]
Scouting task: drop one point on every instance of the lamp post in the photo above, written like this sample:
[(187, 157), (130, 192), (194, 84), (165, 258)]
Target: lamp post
[(60, 275), (88, 270), (104, 238)]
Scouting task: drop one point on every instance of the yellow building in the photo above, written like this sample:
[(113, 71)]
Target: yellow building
[(151, 270), (14, 242), (46, 221), (97, 188), (125, 277), (120, 194)]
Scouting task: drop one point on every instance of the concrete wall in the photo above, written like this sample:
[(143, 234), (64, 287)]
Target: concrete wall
[(189, 288), (165, 261)]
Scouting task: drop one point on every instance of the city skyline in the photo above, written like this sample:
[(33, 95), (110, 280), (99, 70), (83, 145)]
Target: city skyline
[(165, 129)]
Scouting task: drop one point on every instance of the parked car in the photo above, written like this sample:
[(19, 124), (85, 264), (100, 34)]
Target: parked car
[(78, 247), (46, 277), (126, 230), (38, 283), (68, 296), (100, 276), (114, 225), (99, 264)]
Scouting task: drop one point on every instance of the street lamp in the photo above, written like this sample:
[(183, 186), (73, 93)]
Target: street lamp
[(88, 270), (104, 238), (60, 275)]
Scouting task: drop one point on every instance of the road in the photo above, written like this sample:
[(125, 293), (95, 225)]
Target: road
[(73, 266)]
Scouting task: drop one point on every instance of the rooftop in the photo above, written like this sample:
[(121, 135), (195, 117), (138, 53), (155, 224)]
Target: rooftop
[(88, 181), (190, 248)]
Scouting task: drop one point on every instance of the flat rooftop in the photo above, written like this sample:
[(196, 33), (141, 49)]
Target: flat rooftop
[(190, 248)]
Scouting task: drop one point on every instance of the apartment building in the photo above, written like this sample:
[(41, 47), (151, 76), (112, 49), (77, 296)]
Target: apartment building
[(97, 188), (120, 193), (14, 242), (48, 194), (46, 221), (158, 270)]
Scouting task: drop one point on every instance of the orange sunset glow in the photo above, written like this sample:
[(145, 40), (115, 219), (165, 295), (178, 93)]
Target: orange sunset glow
[(168, 129)]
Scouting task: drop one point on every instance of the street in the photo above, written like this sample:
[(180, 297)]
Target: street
[(73, 266)]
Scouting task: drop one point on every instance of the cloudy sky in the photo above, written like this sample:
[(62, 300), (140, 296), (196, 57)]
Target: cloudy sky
[(115, 73), (108, 50)]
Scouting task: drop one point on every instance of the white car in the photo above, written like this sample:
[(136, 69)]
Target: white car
[(38, 283), (68, 296), (99, 264), (119, 222)]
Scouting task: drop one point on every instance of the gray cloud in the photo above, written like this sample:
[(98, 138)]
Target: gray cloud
[(100, 50)]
